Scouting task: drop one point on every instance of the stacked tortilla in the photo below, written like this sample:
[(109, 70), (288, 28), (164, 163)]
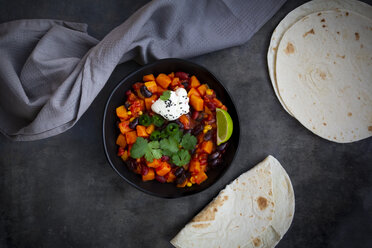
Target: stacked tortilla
[(255, 210), (320, 64)]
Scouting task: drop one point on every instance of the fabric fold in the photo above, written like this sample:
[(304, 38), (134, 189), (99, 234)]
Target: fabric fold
[(51, 71)]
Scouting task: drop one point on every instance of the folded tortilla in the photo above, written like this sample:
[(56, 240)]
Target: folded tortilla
[(255, 210)]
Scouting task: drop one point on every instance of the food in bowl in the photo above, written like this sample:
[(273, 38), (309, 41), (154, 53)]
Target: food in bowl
[(172, 129)]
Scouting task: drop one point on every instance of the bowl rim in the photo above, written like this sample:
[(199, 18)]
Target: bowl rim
[(104, 118)]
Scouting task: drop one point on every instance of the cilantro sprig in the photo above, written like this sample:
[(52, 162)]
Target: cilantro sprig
[(166, 95), (142, 147), (175, 145)]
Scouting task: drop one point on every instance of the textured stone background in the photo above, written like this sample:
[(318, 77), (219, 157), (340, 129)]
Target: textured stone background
[(61, 192)]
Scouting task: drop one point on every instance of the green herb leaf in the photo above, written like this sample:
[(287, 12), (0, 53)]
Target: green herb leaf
[(169, 146), (139, 148), (153, 151), (181, 158), (188, 141), (166, 95), (178, 136)]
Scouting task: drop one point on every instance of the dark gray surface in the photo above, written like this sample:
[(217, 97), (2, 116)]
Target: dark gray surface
[(61, 192)]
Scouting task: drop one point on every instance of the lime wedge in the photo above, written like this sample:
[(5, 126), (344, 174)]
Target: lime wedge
[(224, 126)]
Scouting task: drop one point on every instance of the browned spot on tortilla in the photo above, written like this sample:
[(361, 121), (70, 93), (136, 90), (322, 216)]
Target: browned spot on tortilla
[(370, 128), (335, 137), (274, 48), (262, 202), (323, 20), (243, 183), (311, 31), (357, 36), (241, 214), (339, 56), (270, 193), (347, 13), (314, 128), (338, 32), (349, 114), (358, 97), (209, 213), (201, 225), (269, 218), (361, 46), (272, 203), (319, 14), (257, 242), (323, 26), (322, 75), (289, 49), (324, 124)]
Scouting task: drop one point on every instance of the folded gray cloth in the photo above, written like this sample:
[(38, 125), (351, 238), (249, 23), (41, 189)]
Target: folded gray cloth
[(51, 71)]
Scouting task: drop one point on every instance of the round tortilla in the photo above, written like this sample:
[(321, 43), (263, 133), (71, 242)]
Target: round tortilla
[(255, 210), (324, 74), (296, 15)]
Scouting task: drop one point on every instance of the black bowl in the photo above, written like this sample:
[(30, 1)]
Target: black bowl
[(110, 131)]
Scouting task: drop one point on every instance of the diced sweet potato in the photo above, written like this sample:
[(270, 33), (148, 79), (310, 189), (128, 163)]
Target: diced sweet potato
[(163, 169), (200, 177), (171, 75), (154, 164), (149, 77), (163, 80), (150, 129), (152, 86), (185, 120), (121, 141), (175, 82), (217, 103), (194, 166), (197, 103), (193, 91), (149, 101), (131, 137), (122, 113), (160, 91), (149, 176), (170, 177), (125, 156), (202, 89), (207, 146), (194, 82), (124, 127), (141, 131)]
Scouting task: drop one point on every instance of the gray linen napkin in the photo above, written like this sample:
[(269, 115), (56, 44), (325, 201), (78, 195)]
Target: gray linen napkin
[(51, 71)]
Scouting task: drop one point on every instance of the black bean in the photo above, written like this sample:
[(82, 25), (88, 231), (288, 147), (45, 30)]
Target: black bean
[(213, 156), (133, 123), (222, 147), (215, 163), (181, 179), (127, 104), (208, 135), (198, 129), (188, 131), (188, 174), (132, 164), (185, 83), (145, 92), (193, 151), (179, 171)]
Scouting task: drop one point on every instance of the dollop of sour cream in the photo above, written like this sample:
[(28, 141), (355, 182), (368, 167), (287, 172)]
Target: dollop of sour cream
[(174, 107)]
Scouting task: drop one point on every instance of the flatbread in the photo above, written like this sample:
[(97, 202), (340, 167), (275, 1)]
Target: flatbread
[(255, 210), (296, 15), (324, 74)]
